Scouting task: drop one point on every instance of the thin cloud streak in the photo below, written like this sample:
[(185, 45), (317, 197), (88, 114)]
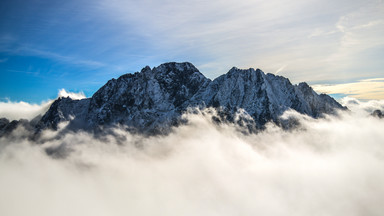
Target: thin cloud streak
[(12, 46), (280, 69), (29, 51), (364, 89)]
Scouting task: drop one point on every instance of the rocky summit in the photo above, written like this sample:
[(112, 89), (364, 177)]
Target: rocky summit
[(153, 100)]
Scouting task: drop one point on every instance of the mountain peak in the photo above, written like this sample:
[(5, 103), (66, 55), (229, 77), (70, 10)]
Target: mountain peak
[(153, 100), (183, 66), (170, 71), (304, 85), (146, 68), (241, 72)]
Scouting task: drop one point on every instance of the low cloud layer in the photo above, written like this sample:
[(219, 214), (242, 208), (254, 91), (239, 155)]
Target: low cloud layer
[(22, 110), (362, 89), (331, 166)]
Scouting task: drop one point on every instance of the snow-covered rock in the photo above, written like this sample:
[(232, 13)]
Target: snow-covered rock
[(153, 100)]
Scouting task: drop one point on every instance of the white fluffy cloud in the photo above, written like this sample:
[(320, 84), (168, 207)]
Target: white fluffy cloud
[(73, 95), (22, 110), (330, 166)]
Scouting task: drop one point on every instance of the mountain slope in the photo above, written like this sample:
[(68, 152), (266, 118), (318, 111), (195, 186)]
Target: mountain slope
[(153, 100), (146, 100), (264, 96)]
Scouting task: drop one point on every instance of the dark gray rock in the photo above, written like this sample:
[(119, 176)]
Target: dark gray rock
[(146, 101), (378, 114), (7, 127), (64, 109), (265, 97), (153, 100)]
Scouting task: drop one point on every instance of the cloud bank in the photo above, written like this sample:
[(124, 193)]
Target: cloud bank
[(330, 166), (363, 89), (22, 110)]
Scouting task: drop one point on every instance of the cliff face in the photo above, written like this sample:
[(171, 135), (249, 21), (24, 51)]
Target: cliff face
[(146, 100), (264, 96), (154, 99)]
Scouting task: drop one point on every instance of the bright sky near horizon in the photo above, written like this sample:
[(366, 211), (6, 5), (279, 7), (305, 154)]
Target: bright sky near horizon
[(335, 45)]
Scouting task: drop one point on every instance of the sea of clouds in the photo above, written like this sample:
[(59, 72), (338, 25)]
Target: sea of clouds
[(329, 166)]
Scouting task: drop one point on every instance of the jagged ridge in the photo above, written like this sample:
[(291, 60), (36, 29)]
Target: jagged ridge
[(151, 101)]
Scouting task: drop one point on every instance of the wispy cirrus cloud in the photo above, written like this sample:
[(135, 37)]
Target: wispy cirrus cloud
[(13, 46), (27, 50), (314, 38), (321, 41)]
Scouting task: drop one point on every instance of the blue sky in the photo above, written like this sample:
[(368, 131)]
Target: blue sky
[(79, 45)]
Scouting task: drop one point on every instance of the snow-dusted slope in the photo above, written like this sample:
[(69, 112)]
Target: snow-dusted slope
[(263, 96), (149, 100), (154, 99), (64, 109)]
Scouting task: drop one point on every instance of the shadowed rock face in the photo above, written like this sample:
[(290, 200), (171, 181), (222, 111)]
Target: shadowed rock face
[(146, 100), (63, 109), (152, 101), (378, 114)]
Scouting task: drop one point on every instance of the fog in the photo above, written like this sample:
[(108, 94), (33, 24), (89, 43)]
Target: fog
[(329, 166)]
